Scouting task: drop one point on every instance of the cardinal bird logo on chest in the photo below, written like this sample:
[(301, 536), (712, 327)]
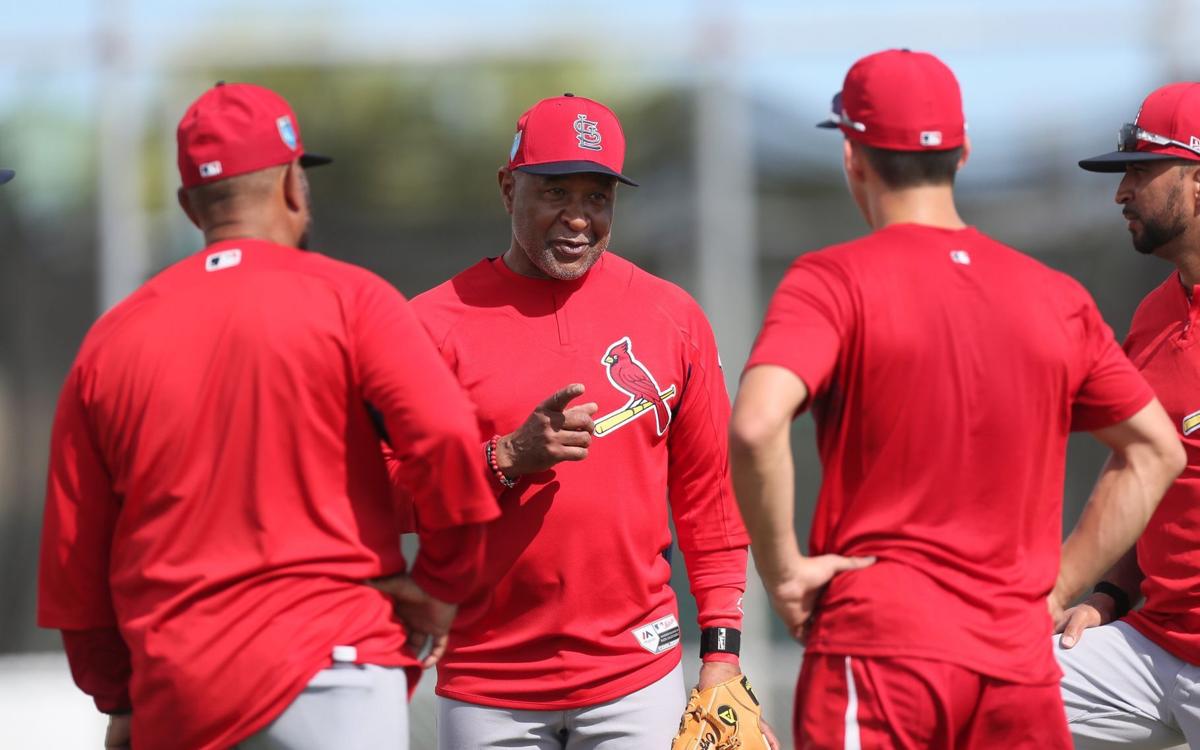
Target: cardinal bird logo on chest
[(631, 377)]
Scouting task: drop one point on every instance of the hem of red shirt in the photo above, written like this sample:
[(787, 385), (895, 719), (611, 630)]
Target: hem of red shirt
[(644, 677), (234, 735), (1153, 633), (1003, 672)]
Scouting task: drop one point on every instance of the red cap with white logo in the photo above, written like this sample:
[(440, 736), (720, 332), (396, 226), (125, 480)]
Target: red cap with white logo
[(569, 134), (237, 128), (902, 101), (1166, 127)]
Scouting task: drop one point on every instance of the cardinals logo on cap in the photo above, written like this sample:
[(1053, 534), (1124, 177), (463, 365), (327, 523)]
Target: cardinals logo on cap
[(588, 133), (631, 377)]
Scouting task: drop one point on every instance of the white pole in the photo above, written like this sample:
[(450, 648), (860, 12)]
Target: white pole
[(121, 225), (727, 268)]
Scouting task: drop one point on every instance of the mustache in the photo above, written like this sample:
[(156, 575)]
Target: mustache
[(1130, 215)]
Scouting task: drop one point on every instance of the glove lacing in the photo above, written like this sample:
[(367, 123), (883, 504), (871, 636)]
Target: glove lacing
[(701, 718)]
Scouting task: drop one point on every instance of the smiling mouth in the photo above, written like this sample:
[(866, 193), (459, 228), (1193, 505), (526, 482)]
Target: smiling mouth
[(571, 249)]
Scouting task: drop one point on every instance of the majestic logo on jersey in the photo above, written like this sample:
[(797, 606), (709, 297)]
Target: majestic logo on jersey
[(287, 132), (587, 133), (1191, 423), (631, 377), (659, 636)]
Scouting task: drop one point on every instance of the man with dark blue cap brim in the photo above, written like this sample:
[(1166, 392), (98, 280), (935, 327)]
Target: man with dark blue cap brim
[(6, 175)]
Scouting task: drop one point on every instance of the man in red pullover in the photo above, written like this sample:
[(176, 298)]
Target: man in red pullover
[(217, 499), (1133, 678), (945, 372), (573, 637)]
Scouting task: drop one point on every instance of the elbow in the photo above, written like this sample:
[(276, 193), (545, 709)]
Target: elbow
[(751, 432), (1174, 458)]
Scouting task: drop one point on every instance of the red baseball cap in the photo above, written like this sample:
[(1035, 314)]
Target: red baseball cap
[(569, 134), (1166, 127), (237, 128), (900, 100)]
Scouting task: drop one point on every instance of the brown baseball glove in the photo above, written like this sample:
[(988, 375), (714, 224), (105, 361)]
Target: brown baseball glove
[(724, 717)]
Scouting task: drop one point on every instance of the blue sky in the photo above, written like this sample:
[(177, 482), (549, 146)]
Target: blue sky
[(1049, 76)]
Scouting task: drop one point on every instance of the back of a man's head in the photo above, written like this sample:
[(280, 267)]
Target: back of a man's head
[(902, 110), (241, 161), (233, 198), (907, 169)]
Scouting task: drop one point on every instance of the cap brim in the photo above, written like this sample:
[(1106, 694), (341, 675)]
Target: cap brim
[(574, 167), (6, 175), (829, 124), (1115, 161), (314, 160)]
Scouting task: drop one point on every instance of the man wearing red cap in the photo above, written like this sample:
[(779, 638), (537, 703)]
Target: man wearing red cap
[(217, 500), (573, 639), (945, 372), (1134, 680)]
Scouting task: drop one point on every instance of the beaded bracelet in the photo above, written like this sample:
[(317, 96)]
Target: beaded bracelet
[(490, 451)]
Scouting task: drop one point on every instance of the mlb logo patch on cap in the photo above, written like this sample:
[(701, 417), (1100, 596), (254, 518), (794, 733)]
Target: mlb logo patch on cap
[(902, 101)]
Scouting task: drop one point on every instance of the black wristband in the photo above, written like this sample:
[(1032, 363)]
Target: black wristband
[(720, 641), (1121, 605)]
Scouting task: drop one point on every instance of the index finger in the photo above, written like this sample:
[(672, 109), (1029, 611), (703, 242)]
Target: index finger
[(435, 653), (563, 396)]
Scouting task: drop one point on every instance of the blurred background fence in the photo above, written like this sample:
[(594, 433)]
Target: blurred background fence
[(417, 101)]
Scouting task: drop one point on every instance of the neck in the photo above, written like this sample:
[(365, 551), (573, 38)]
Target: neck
[(518, 262), (931, 205), (1186, 259), (242, 229)]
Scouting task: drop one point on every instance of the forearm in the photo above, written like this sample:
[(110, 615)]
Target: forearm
[(764, 483), (100, 666), (450, 561), (1121, 504)]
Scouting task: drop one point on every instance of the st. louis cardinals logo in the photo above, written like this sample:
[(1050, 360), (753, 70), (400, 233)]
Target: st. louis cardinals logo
[(631, 377), (588, 134)]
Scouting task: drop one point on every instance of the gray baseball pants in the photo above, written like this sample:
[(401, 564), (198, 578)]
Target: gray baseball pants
[(348, 707), (1122, 690), (647, 718)]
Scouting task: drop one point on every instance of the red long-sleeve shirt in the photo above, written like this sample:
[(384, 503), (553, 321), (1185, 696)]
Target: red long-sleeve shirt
[(574, 605), (1162, 343), (217, 496)]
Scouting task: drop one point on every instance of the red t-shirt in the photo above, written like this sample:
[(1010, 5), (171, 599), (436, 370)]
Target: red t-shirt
[(574, 607), (946, 371), (1161, 344), (217, 492)]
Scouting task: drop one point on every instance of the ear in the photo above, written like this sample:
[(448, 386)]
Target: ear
[(1194, 186), (508, 184), (186, 204), (966, 153), (293, 187), (852, 161)]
